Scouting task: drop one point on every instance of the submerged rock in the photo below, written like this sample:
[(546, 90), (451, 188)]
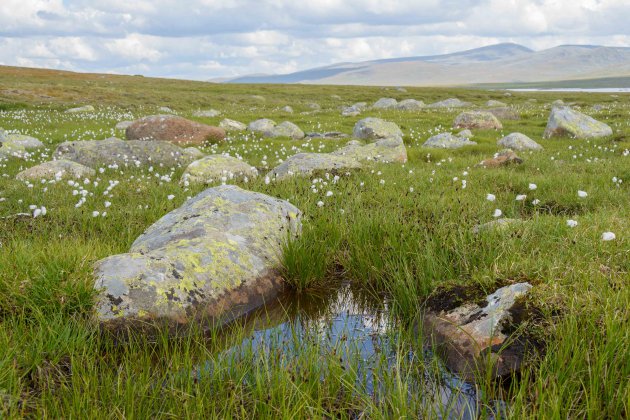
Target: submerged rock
[(447, 141), (56, 169), (110, 151), (503, 158), (471, 336), (477, 120), (375, 128), (213, 168), (210, 261), (564, 121), (173, 129), (518, 141)]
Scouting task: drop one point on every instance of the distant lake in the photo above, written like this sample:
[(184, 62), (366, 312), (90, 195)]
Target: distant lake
[(598, 90)]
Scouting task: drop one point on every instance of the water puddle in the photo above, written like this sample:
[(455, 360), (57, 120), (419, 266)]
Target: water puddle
[(349, 328)]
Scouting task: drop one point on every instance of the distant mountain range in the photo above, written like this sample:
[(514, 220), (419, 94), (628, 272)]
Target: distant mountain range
[(501, 63)]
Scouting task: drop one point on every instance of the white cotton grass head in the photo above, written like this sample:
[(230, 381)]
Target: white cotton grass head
[(497, 213), (533, 186), (608, 236), (572, 223), (491, 197), (521, 197), (582, 194)]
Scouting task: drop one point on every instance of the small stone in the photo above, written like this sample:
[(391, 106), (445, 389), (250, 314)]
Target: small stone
[(518, 141)]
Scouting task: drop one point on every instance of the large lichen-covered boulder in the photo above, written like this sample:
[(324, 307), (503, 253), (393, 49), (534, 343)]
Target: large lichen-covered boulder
[(410, 105), (56, 169), (262, 126), (449, 103), (211, 260), (173, 129), (387, 150), (471, 336), (564, 121), (19, 142), (375, 128), (385, 103), (232, 125), (519, 141), (447, 141), (94, 153), (304, 164), (217, 168), (477, 119), (287, 129)]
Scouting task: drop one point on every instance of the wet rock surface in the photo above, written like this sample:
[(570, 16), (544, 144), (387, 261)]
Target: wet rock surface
[(470, 336), (212, 260)]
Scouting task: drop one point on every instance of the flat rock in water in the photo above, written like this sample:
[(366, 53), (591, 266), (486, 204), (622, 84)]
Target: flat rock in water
[(173, 129), (477, 120), (56, 169), (287, 129), (447, 141), (518, 141), (232, 125), (86, 108), (505, 113), (375, 128), (503, 158), (262, 126), (210, 261), (207, 113), (449, 103), (304, 164), (213, 168), (110, 151), (410, 105), (385, 103), (564, 121), (470, 336)]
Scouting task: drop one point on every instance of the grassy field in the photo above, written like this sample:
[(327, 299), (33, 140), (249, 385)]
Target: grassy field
[(396, 230)]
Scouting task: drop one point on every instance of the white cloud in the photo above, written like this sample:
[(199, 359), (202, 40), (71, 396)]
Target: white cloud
[(208, 38)]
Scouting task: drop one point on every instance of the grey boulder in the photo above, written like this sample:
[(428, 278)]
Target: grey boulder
[(518, 141), (56, 169), (375, 128), (564, 121), (447, 141), (217, 168)]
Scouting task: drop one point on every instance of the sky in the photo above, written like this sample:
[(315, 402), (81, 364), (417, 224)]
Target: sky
[(205, 39)]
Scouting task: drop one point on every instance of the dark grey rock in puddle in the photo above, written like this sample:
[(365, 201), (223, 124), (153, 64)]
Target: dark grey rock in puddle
[(357, 328)]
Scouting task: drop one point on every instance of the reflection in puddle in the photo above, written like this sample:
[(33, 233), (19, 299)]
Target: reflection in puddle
[(353, 329)]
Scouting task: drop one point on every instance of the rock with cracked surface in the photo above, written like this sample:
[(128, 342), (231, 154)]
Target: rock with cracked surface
[(471, 336), (210, 261)]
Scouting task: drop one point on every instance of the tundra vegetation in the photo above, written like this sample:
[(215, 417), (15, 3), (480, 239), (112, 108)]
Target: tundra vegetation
[(395, 232)]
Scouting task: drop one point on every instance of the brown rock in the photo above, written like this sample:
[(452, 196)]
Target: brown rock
[(173, 129), (471, 337), (504, 158)]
